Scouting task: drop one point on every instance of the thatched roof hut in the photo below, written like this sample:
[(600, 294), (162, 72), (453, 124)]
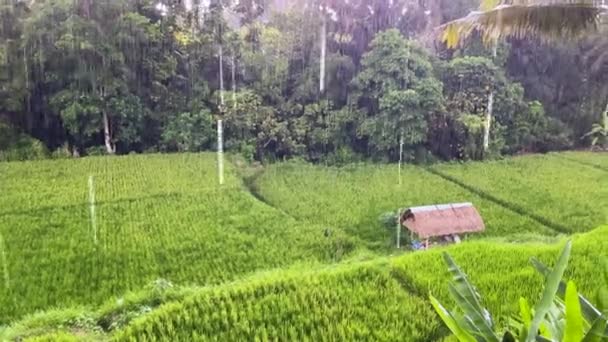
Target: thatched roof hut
[(442, 220)]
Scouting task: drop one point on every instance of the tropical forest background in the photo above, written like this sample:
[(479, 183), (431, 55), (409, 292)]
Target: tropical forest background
[(326, 81)]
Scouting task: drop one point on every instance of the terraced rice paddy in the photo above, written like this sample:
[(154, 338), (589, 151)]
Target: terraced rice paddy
[(306, 258)]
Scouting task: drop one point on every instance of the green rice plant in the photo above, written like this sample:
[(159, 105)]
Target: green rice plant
[(598, 160), (352, 198), (567, 195), (361, 302), (381, 300), (157, 216), (164, 216), (495, 268)]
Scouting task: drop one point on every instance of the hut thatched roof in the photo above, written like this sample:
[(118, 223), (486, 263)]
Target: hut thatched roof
[(441, 220)]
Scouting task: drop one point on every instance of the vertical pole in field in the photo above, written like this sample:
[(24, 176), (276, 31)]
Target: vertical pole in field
[(398, 229), (220, 151), (4, 263), (400, 156), (220, 128), (92, 208)]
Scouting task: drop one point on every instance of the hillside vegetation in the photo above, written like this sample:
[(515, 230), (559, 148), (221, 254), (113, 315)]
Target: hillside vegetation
[(380, 300), (335, 81), (564, 193), (156, 217), (516, 197), (15, 145), (304, 257)]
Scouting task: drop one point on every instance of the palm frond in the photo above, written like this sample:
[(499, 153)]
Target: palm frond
[(545, 19)]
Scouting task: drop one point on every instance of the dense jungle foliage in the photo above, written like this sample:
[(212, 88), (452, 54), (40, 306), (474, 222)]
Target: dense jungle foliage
[(329, 81)]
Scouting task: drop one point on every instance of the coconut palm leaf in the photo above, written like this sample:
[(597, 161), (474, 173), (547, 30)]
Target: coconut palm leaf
[(545, 19)]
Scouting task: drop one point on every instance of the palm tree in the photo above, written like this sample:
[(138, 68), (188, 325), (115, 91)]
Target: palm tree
[(545, 19)]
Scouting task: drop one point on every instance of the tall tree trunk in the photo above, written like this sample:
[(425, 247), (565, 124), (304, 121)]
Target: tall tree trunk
[(107, 134), (221, 55), (488, 122), (323, 49), (233, 70), (85, 8), (220, 129), (605, 117), (28, 99), (489, 113)]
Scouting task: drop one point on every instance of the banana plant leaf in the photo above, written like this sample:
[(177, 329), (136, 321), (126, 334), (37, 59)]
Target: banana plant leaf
[(475, 318), (553, 280), (589, 311), (596, 333), (466, 290), (574, 317), (450, 322), (508, 337)]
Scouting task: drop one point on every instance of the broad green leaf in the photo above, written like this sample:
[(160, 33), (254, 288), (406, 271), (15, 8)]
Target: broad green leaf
[(574, 316), (468, 301), (551, 286), (446, 317), (546, 329), (462, 285), (596, 333), (525, 312), (589, 310), (555, 321), (476, 318), (508, 337)]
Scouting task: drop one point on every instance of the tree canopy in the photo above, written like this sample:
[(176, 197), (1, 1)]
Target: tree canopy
[(145, 76)]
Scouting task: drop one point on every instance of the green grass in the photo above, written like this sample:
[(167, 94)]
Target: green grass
[(380, 300), (594, 159), (353, 303), (353, 198), (566, 194), (281, 270), (157, 217)]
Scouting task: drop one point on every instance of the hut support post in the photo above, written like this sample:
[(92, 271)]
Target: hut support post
[(398, 234)]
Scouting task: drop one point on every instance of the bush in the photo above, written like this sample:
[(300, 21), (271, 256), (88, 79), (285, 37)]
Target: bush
[(16, 146), (62, 152), (96, 151), (189, 132), (343, 155)]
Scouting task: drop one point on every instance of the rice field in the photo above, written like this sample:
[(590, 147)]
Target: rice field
[(379, 300), (383, 300), (156, 217), (568, 195), (304, 257)]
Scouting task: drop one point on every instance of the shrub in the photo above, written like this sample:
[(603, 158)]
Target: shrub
[(16, 146)]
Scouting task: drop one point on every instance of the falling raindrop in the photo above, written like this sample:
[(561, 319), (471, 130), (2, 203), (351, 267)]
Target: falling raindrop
[(4, 263), (93, 217)]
